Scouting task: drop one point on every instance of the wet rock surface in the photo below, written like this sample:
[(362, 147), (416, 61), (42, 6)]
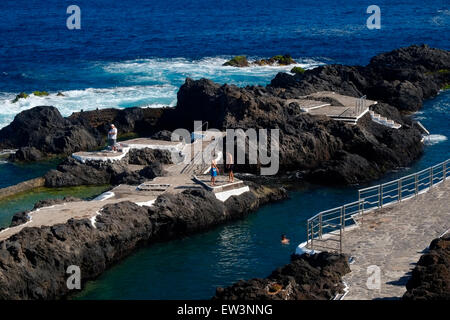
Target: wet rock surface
[(430, 279), (42, 255), (306, 277)]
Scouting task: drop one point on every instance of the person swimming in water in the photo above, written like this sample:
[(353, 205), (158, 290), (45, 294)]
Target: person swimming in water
[(214, 172), (284, 240)]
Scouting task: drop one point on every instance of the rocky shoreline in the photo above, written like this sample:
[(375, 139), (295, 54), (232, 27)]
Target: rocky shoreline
[(430, 279), (306, 277), (42, 255), (314, 148)]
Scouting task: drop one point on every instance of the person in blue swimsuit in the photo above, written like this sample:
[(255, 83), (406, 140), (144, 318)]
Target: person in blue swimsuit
[(214, 172)]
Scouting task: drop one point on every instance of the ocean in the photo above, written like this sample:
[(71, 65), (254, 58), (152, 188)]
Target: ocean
[(138, 53)]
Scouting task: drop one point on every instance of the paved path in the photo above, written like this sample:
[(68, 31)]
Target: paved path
[(178, 179), (346, 101), (394, 238)]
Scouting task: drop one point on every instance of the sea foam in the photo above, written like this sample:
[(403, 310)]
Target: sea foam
[(434, 139), (145, 83)]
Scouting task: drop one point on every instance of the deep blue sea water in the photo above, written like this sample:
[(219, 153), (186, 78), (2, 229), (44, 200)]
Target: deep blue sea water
[(134, 52), (138, 53)]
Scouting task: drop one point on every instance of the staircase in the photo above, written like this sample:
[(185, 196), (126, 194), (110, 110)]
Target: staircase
[(384, 121), (196, 165)]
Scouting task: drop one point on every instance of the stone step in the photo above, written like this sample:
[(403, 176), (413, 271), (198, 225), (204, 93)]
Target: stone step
[(384, 121)]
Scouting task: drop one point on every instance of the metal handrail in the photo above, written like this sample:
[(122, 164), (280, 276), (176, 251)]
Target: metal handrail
[(387, 193)]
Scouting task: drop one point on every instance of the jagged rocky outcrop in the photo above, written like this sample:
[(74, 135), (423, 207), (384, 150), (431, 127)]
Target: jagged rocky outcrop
[(317, 148), (26, 154), (42, 131), (140, 121), (321, 149), (313, 147), (147, 156), (43, 128), (237, 61), (306, 277), (19, 218), (164, 135), (430, 279), (241, 61), (72, 172), (402, 78), (42, 255), (153, 170)]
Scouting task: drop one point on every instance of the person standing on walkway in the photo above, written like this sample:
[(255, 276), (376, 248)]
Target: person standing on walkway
[(214, 172), (112, 137), (229, 167)]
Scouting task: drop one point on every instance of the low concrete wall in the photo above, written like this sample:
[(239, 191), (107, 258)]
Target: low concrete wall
[(22, 187)]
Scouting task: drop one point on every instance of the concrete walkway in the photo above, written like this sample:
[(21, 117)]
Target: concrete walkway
[(394, 238)]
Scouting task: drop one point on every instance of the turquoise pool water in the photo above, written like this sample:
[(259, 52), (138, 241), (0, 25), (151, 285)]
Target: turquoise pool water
[(26, 200)]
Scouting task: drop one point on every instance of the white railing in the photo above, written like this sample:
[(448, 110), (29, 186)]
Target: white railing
[(328, 226)]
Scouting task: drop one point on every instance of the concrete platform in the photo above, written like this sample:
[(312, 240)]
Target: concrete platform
[(307, 105), (176, 181), (141, 143), (223, 189), (393, 239), (221, 183), (107, 156), (125, 146), (338, 107), (346, 101)]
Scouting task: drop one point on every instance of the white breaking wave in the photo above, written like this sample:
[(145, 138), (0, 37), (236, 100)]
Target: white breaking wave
[(89, 99), (434, 139), (145, 83), (177, 69)]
